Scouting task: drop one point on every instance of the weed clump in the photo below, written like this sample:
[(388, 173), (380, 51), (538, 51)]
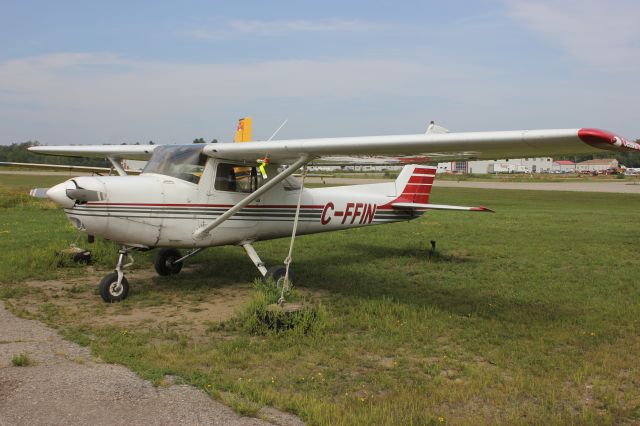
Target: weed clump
[(21, 360), (262, 315)]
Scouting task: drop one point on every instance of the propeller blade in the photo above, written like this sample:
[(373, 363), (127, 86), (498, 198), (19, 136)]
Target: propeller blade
[(39, 192)]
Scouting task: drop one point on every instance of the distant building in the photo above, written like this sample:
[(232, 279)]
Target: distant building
[(512, 165), (563, 166), (599, 165)]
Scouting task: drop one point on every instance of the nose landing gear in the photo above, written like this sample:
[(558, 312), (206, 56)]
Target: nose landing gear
[(114, 287), (111, 291)]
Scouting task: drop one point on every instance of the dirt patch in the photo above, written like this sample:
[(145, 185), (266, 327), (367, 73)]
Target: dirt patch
[(77, 297), (220, 306)]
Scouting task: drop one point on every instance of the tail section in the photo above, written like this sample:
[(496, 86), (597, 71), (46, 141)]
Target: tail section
[(243, 131), (413, 188), (414, 183)]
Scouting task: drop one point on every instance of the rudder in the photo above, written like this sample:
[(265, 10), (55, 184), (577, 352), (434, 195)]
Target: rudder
[(414, 184)]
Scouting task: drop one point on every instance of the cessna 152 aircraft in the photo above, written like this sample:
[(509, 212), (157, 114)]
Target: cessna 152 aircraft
[(204, 195)]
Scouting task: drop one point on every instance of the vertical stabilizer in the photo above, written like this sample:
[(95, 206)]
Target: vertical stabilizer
[(414, 183), (243, 131)]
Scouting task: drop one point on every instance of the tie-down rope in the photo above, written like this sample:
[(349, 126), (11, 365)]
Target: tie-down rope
[(288, 259)]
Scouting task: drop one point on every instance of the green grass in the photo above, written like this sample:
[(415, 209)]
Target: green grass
[(21, 360), (529, 315), (22, 181)]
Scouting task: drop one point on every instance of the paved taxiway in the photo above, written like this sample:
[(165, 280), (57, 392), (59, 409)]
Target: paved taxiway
[(66, 386)]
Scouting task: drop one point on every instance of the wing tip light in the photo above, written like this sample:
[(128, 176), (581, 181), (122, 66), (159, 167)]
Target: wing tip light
[(604, 139)]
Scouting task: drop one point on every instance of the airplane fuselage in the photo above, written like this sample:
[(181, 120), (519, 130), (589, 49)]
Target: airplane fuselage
[(153, 210)]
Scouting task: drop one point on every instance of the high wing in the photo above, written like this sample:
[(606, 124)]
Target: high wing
[(65, 167), (119, 152), (431, 147), (394, 149)]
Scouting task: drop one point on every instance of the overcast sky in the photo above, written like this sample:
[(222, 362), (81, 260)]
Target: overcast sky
[(76, 72)]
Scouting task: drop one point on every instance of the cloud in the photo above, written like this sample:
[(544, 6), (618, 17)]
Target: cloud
[(104, 98), (112, 98), (236, 27), (605, 34)]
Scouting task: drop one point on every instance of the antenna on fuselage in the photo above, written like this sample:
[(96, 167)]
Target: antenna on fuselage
[(278, 129)]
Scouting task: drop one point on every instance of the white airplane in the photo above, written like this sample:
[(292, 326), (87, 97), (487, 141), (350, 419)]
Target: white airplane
[(204, 195)]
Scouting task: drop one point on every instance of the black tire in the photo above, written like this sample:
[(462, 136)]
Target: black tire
[(276, 273), (108, 288), (164, 262)]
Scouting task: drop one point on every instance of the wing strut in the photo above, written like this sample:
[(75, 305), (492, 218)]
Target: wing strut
[(202, 232), (117, 165)]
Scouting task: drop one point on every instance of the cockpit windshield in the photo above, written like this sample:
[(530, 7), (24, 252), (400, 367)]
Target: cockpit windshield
[(183, 162)]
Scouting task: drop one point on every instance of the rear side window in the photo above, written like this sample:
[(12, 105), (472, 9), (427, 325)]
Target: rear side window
[(234, 178)]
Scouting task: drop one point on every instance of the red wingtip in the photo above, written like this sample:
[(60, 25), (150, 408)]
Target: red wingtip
[(606, 140)]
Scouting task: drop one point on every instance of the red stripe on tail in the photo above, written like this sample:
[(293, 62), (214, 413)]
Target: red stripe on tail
[(420, 179), (425, 170), (418, 187)]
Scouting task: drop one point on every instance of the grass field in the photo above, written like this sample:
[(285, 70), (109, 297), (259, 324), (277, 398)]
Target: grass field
[(529, 315)]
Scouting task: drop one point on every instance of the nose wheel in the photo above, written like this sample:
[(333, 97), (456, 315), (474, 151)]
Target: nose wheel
[(114, 287), (111, 291)]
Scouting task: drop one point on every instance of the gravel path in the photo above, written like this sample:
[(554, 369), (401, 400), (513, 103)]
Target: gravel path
[(65, 386)]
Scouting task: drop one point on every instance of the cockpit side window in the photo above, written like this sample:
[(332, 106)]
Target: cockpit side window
[(183, 162), (234, 178)]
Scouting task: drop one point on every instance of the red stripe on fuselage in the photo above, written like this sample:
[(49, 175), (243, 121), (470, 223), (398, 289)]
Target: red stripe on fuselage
[(270, 206)]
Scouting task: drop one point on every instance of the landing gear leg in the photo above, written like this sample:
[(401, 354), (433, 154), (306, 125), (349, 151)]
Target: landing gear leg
[(114, 287), (277, 273), (255, 258)]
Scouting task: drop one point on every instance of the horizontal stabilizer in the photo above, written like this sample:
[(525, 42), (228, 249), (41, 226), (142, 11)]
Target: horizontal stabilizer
[(417, 206)]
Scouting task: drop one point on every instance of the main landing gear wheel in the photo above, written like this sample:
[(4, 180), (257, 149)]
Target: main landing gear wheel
[(277, 274), (165, 262), (110, 291)]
